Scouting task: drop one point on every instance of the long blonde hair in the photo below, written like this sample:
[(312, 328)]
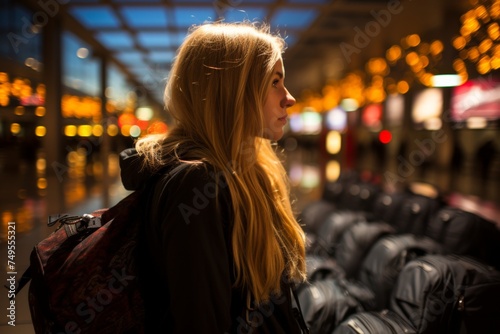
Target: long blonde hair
[(215, 92)]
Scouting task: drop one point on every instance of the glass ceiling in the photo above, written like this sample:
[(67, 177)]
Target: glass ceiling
[(144, 35)]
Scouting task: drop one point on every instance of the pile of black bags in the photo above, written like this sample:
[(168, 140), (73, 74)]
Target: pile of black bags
[(400, 261)]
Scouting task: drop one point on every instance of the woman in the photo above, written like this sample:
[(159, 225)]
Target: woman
[(221, 248)]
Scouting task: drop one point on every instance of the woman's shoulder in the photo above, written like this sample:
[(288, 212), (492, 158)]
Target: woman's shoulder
[(188, 171), (191, 188), (182, 175)]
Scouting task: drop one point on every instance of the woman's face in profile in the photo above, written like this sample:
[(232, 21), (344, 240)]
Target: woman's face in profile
[(277, 101)]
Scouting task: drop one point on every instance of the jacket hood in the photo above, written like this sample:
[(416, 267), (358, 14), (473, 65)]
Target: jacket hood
[(132, 170)]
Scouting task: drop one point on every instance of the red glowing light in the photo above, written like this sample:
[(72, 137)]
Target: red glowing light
[(385, 136)]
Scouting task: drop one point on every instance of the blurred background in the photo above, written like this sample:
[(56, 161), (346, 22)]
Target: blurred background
[(397, 91)]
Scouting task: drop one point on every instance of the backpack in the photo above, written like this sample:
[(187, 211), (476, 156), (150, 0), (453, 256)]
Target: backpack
[(331, 230), (448, 294), (314, 214), (325, 303), (385, 260), (355, 244), (416, 212), (381, 322), (84, 274), (466, 233)]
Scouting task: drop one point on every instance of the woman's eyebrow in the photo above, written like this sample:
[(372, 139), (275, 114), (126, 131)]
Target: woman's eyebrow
[(279, 74)]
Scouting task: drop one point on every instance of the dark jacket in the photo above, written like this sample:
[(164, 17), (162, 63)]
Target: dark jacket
[(186, 256)]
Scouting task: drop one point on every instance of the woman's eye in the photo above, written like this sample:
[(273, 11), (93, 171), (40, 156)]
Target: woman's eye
[(275, 82)]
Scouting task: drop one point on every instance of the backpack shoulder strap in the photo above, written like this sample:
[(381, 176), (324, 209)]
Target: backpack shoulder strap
[(297, 312), (25, 278)]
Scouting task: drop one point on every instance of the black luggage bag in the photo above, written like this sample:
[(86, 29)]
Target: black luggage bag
[(416, 212), (330, 232), (314, 214), (325, 304), (466, 233), (383, 322), (386, 259), (448, 294), (356, 243)]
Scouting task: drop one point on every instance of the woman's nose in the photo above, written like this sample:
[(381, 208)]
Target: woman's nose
[(290, 100)]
